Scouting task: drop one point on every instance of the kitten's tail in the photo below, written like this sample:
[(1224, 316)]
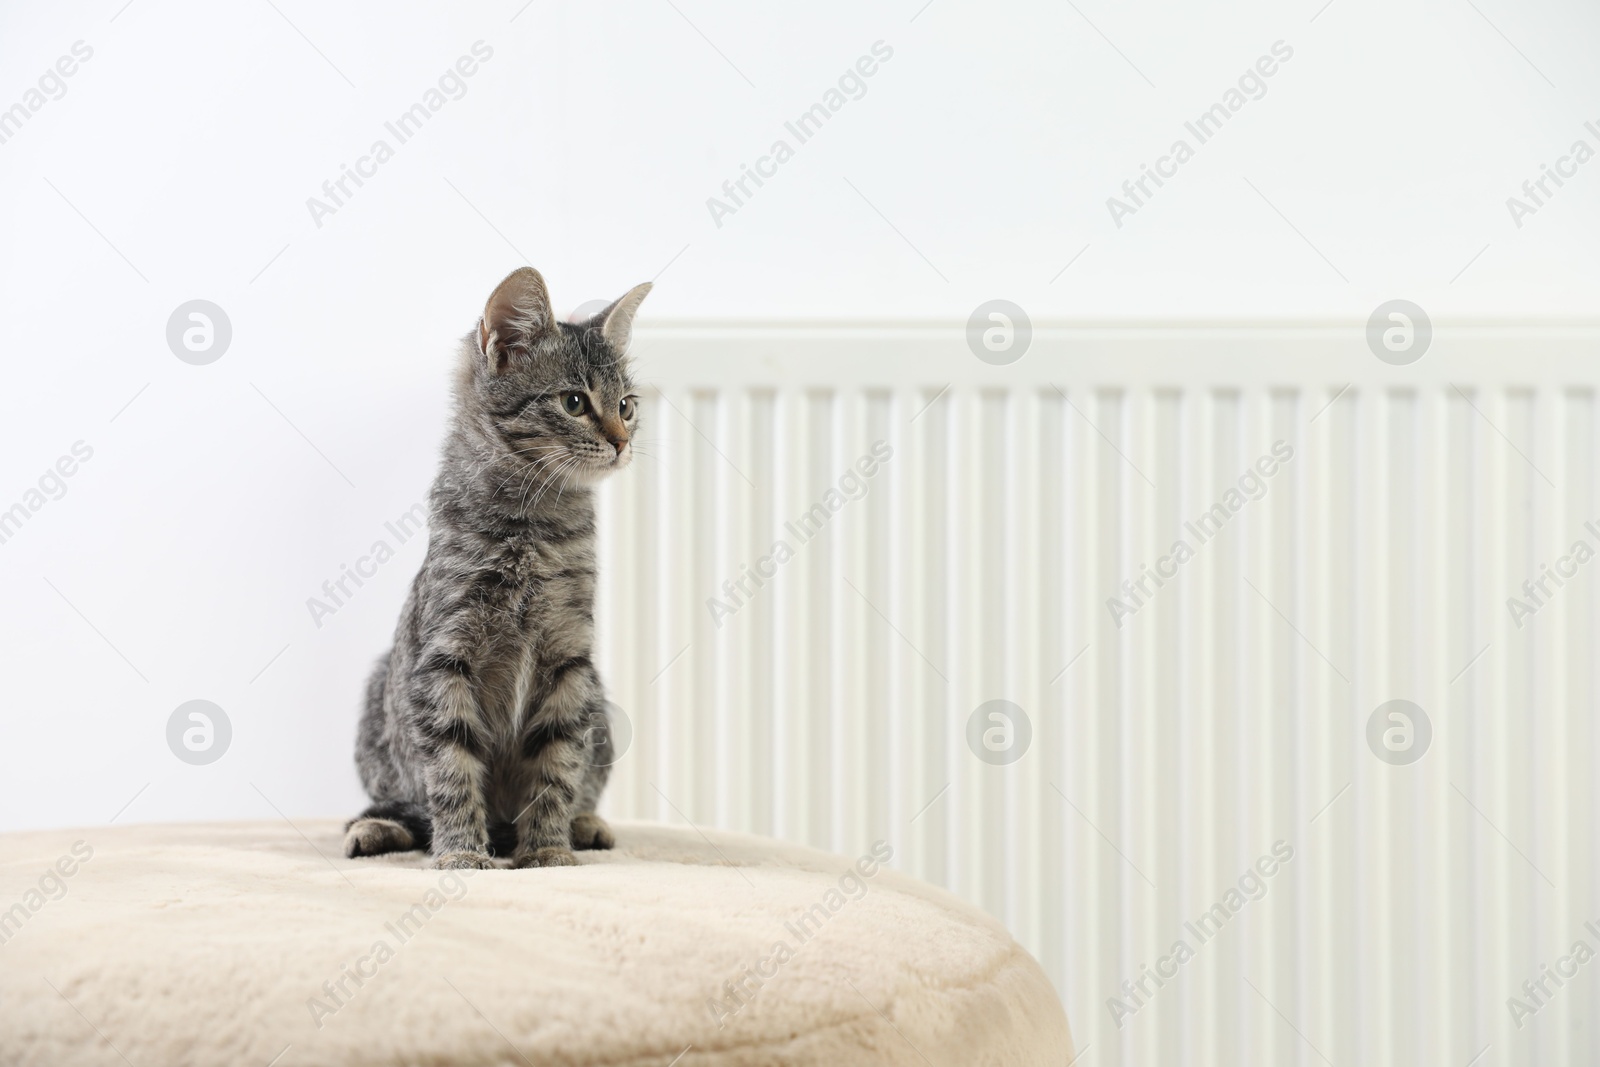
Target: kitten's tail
[(389, 826)]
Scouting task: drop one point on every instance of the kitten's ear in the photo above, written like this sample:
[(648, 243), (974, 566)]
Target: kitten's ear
[(616, 321), (517, 314)]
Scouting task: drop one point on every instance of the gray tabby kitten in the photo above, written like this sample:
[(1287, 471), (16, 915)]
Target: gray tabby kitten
[(485, 728)]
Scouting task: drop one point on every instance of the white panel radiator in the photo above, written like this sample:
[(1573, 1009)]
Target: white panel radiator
[(827, 698)]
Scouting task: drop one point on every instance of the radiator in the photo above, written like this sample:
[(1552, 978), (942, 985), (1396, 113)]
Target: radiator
[(1197, 825)]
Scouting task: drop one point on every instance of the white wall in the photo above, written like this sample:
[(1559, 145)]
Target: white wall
[(178, 163)]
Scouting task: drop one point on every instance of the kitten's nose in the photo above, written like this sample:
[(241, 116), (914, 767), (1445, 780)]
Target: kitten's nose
[(616, 431)]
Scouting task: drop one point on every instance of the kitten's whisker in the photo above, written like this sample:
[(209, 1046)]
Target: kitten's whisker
[(529, 481), (522, 488), (527, 477), (571, 475), (565, 469), (530, 448), (549, 480), (531, 471), (518, 474)]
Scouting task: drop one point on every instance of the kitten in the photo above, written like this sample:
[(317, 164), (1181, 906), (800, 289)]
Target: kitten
[(485, 728)]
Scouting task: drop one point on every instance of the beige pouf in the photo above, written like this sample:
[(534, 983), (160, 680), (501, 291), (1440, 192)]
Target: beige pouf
[(252, 944)]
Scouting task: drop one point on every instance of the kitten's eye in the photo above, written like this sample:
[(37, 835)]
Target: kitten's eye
[(625, 409), (574, 403)]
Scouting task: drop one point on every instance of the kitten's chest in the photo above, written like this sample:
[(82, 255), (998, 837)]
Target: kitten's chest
[(534, 582), (542, 616)]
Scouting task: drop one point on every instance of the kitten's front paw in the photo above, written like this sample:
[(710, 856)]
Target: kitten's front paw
[(549, 856), (462, 861), (590, 831)]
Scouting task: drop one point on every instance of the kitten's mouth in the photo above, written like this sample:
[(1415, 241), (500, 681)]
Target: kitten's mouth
[(594, 467), (613, 459)]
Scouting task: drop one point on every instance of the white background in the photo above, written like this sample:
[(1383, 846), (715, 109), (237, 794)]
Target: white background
[(178, 164)]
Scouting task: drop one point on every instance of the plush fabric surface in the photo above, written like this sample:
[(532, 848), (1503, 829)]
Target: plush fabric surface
[(228, 944)]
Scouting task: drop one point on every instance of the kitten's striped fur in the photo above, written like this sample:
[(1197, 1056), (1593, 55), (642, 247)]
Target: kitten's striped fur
[(484, 732)]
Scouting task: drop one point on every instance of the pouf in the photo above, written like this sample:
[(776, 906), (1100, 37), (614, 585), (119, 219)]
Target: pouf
[(259, 943)]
